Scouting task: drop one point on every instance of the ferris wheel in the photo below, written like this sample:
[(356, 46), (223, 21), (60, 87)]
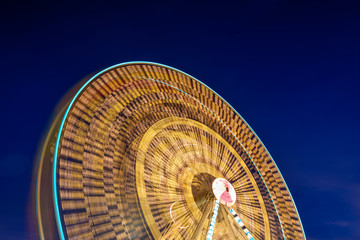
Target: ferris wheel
[(145, 151)]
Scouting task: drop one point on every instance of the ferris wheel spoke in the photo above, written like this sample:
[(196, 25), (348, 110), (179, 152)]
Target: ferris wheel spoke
[(242, 225)]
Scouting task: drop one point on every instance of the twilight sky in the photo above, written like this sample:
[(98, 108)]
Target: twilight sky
[(290, 68)]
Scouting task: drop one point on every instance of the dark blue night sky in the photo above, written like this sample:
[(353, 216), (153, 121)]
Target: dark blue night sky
[(290, 68)]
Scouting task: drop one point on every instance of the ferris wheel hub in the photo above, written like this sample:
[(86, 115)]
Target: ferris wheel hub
[(224, 191)]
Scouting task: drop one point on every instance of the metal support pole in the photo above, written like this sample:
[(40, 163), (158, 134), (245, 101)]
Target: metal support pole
[(213, 220), (238, 220)]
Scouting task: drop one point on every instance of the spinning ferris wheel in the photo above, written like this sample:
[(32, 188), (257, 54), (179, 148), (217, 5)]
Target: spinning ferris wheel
[(145, 151)]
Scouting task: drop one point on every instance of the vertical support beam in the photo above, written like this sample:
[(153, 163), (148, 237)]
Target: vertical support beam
[(201, 224), (225, 215), (213, 220), (242, 225)]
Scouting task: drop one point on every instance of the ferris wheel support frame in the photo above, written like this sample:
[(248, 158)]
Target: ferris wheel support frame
[(242, 225), (213, 220)]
